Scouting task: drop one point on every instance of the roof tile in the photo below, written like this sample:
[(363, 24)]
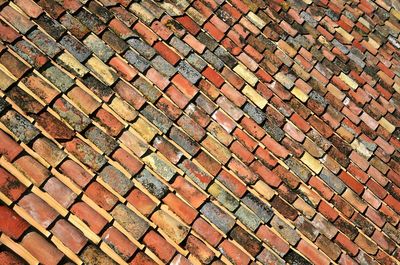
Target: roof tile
[(298, 141), (12, 224), (69, 235), (38, 209), (41, 249)]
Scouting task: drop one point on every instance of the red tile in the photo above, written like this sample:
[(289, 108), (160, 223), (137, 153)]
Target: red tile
[(184, 211), (119, 242), (199, 250), (101, 196), (213, 76), (123, 68), (189, 24), (142, 259), (10, 186), (112, 125), (74, 171), (189, 192), (61, 193), (41, 249), (54, 126), (194, 43), (7, 33), (11, 223), (149, 36), (167, 53), (206, 231), (161, 30), (312, 253), (273, 240), (70, 236), (8, 257), (142, 202), (233, 253), (164, 250), (38, 209), (89, 216)]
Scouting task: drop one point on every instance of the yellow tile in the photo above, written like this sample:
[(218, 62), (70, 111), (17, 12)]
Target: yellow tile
[(145, 129), (361, 148), (256, 20), (345, 78), (253, 95), (134, 142), (102, 71), (395, 13), (220, 152), (283, 45), (246, 74), (266, 191), (142, 13), (304, 207), (301, 72), (298, 93), (345, 34), (311, 162), (71, 62), (387, 125), (176, 230), (396, 87), (336, 92), (373, 43), (5, 80), (123, 109)]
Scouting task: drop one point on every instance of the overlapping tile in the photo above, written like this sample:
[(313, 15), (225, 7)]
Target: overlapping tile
[(199, 132)]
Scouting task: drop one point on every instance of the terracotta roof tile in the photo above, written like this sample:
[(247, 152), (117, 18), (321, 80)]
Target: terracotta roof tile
[(205, 131)]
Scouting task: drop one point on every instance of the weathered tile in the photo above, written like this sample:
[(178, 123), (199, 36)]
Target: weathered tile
[(152, 184), (71, 114), (102, 140), (98, 47), (60, 79), (188, 72), (218, 217), (51, 26), (137, 60), (116, 179), (20, 126), (85, 154)]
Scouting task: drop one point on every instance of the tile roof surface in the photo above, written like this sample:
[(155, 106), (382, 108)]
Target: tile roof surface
[(199, 132)]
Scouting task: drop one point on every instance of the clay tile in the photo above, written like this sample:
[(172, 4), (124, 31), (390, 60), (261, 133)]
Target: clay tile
[(8, 257), (61, 193), (38, 209), (93, 255), (13, 64), (134, 224), (119, 242), (70, 236), (75, 172), (199, 250), (164, 250), (142, 259), (141, 201), (233, 253), (7, 34), (12, 224), (41, 249), (89, 216), (85, 154), (8, 147), (19, 21), (51, 26), (11, 187)]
